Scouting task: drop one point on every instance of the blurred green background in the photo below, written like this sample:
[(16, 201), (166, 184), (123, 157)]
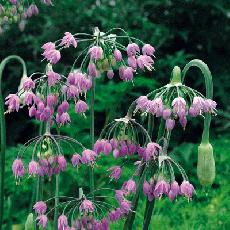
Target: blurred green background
[(180, 30)]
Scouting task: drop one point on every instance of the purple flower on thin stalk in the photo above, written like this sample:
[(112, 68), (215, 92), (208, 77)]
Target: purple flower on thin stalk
[(81, 107), (92, 70), (40, 207), (128, 74), (62, 222), (151, 151), (29, 97), (117, 55), (107, 148), (53, 78), (125, 206), (174, 191), (86, 206), (18, 168), (162, 187), (132, 62), (147, 49), (110, 74), (129, 185), (186, 189), (169, 124), (13, 102), (88, 156), (33, 168), (120, 195), (96, 53), (115, 172), (68, 40), (28, 84), (76, 160), (144, 61), (42, 221), (142, 103), (115, 215), (132, 49), (61, 162)]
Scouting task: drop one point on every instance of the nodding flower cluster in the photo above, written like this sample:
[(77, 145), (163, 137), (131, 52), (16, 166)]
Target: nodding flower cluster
[(171, 190), (121, 148), (87, 218), (47, 97), (18, 11), (49, 166), (177, 108), (103, 55)]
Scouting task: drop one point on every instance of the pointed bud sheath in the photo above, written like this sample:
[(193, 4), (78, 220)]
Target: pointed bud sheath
[(29, 225), (176, 76), (206, 164)]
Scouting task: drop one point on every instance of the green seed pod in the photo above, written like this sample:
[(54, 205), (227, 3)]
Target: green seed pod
[(29, 225), (205, 164)]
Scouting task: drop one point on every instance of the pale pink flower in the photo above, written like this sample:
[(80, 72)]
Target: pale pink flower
[(68, 40), (28, 84), (40, 207), (117, 55), (13, 102), (96, 53), (42, 221), (132, 49), (147, 49), (33, 168), (86, 206), (53, 77)]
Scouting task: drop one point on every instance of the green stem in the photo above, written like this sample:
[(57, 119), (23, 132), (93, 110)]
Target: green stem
[(3, 131), (56, 203), (131, 216), (209, 92), (92, 133), (150, 205)]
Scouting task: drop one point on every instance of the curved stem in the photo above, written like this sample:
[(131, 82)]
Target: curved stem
[(91, 169), (209, 91), (3, 130)]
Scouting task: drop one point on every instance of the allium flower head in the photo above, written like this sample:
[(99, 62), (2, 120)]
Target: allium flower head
[(51, 54), (69, 40), (86, 206), (40, 207), (162, 187)]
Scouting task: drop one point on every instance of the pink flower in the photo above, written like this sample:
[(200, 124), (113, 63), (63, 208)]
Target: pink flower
[(132, 61), (146, 188), (161, 188), (156, 107), (115, 172), (32, 10), (29, 97), (14, 2), (63, 107), (96, 53), (42, 221), (147, 49), (115, 215), (117, 54), (166, 114), (63, 118), (144, 61), (107, 148), (28, 84), (92, 70), (151, 151), (47, 2), (98, 146), (86, 206), (129, 185), (120, 195), (169, 124), (179, 106), (40, 207), (32, 111), (13, 102), (186, 189), (53, 77), (132, 49), (81, 107), (76, 160), (62, 222), (88, 156), (18, 168), (110, 74), (128, 74), (209, 106), (61, 162), (51, 100), (52, 55), (68, 40), (33, 168), (125, 206), (174, 190), (142, 103), (72, 91), (48, 46)]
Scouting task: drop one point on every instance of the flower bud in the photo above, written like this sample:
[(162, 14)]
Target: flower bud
[(205, 164)]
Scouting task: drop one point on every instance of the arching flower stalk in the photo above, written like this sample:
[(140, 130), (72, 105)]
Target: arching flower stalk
[(18, 11), (83, 212)]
